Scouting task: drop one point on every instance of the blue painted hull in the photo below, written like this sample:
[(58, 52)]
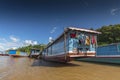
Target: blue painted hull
[(101, 59)]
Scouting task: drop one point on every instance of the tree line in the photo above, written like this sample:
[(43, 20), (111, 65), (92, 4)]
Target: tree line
[(110, 34), (28, 48)]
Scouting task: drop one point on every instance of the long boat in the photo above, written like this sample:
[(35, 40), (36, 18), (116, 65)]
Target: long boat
[(72, 43), (105, 54), (34, 53), (3, 53)]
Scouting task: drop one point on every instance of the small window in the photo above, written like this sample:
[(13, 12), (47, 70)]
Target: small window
[(119, 47)]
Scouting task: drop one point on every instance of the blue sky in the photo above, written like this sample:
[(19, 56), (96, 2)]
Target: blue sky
[(24, 22)]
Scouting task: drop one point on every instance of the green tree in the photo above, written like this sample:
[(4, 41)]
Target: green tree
[(110, 34), (28, 48)]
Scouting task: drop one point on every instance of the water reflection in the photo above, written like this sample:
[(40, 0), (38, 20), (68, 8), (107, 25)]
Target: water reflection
[(52, 64)]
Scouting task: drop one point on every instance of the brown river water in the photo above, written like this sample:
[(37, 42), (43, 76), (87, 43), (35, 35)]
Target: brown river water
[(31, 69)]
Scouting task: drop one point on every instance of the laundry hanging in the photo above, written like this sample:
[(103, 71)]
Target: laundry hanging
[(77, 35), (87, 41), (80, 42), (81, 39), (72, 35), (93, 40)]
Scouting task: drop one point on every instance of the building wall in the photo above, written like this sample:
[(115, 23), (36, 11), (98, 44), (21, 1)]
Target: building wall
[(12, 51)]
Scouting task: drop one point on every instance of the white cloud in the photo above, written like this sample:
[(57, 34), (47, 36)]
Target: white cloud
[(35, 42), (53, 30), (9, 45), (2, 39), (14, 39), (14, 43), (27, 42), (115, 11), (1, 47), (30, 42)]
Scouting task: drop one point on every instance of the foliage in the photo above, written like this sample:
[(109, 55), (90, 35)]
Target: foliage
[(110, 34), (28, 48)]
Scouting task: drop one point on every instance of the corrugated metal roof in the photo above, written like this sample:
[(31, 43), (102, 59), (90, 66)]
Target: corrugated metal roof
[(85, 30)]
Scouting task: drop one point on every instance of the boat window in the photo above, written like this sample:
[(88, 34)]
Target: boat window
[(119, 47)]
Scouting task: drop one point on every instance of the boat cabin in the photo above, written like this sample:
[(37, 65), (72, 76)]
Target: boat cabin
[(34, 52), (16, 53), (72, 43)]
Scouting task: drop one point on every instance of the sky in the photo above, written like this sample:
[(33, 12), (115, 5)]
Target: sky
[(24, 22)]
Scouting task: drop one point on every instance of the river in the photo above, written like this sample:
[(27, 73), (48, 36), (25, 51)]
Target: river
[(31, 69)]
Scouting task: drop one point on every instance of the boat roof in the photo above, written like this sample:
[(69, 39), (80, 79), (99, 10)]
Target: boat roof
[(75, 29), (84, 30)]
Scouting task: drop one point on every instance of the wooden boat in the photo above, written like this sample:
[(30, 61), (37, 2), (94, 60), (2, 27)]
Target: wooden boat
[(3, 53), (110, 50), (15, 53), (34, 53), (105, 54), (72, 43)]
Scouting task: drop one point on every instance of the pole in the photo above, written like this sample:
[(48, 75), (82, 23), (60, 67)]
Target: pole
[(96, 46), (65, 44)]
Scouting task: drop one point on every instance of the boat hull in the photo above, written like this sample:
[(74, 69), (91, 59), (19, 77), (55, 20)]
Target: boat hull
[(79, 55), (15, 55), (34, 55), (4, 55), (67, 57), (58, 58), (112, 60)]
